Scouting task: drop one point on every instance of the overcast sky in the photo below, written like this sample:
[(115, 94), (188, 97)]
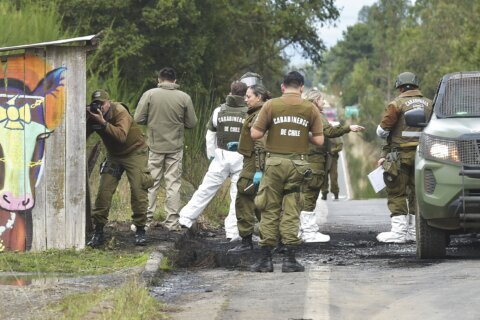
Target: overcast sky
[(348, 16)]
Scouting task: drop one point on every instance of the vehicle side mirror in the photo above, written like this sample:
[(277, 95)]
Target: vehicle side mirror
[(416, 118)]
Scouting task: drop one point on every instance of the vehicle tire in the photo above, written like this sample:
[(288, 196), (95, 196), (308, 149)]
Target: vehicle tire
[(431, 242)]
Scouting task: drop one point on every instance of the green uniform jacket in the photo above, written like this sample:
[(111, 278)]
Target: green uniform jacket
[(249, 147), (121, 135), (166, 111), (329, 131)]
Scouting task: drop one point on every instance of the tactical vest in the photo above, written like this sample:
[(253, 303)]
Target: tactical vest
[(403, 135), (288, 131), (229, 124)]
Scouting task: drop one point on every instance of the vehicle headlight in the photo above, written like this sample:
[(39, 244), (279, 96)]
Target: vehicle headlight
[(439, 149)]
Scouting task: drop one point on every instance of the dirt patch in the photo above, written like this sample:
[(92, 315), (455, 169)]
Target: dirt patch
[(24, 296)]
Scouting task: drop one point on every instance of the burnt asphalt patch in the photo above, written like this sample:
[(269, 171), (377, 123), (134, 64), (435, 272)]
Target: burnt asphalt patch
[(208, 249)]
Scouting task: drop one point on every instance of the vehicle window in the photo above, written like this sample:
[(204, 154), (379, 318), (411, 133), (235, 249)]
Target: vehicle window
[(461, 96)]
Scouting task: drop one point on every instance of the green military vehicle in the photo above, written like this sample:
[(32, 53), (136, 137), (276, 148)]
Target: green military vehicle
[(447, 164)]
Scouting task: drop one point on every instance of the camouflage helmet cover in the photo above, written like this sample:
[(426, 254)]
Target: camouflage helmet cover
[(405, 78), (251, 78)]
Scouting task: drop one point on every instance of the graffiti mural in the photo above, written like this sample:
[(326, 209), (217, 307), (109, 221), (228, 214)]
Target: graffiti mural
[(31, 107)]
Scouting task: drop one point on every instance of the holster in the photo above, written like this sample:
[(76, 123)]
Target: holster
[(391, 167), (260, 157), (111, 168)]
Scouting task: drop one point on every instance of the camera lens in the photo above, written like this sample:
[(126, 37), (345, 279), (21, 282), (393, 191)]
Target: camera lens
[(95, 106)]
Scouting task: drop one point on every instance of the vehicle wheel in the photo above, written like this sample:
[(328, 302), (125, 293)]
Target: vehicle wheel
[(431, 242)]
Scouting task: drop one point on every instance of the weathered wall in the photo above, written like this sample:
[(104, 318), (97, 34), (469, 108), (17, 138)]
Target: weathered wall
[(42, 149)]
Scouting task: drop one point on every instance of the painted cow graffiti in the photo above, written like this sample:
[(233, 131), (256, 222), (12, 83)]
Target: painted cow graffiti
[(29, 103)]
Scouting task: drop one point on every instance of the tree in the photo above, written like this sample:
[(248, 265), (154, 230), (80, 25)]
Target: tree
[(209, 42)]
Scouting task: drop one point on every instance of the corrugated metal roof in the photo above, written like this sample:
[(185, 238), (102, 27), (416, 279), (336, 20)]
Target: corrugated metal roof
[(50, 43)]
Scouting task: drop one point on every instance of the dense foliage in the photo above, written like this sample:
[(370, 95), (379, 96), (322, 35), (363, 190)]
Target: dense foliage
[(209, 42), (430, 38), (212, 42)]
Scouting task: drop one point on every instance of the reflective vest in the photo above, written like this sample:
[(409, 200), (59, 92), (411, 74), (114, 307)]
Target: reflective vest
[(403, 135)]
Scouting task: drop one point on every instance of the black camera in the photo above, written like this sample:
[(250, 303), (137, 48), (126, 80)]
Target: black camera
[(96, 107)]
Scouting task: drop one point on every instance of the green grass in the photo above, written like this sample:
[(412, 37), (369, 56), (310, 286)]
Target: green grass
[(26, 22), (79, 262), (130, 301), (359, 166)]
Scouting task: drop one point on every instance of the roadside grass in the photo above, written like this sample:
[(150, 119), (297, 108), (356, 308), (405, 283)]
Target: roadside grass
[(130, 301), (81, 262), (360, 165)]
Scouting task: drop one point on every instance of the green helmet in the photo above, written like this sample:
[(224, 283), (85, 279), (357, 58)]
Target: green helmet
[(251, 78), (405, 78)]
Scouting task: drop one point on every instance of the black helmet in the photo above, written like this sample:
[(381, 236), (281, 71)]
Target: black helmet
[(251, 78), (405, 78)]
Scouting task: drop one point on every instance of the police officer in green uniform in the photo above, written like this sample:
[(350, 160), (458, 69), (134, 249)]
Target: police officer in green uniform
[(331, 169), (398, 157), (317, 156), (253, 152), (288, 119), (126, 152)]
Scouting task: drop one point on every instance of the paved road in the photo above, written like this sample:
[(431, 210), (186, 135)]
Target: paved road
[(352, 277)]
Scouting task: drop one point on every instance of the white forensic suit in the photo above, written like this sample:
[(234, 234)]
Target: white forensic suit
[(224, 127)]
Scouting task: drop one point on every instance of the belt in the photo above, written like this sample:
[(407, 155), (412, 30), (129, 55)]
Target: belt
[(409, 145), (291, 156)]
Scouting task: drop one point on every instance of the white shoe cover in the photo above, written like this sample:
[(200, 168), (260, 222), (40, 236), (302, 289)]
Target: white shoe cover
[(398, 234), (309, 228), (411, 231), (186, 222), (315, 237), (321, 212)]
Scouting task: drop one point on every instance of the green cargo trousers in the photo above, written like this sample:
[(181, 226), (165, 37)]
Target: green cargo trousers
[(244, 202), (312, 188), (135, 166), (332, 175), (281, 184), (401, 191)]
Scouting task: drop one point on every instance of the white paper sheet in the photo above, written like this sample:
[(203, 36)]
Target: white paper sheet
[(376, 179)]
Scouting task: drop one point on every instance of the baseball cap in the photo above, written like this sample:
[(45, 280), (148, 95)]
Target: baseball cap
[(100, 95)]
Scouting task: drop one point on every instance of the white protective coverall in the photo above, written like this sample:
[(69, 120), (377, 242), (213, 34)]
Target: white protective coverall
[(224, 164)]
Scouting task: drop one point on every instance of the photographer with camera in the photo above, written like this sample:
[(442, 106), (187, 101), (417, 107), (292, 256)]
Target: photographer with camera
[(126, 151)]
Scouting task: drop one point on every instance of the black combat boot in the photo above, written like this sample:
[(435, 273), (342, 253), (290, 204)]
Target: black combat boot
[(280, 248), (264, 264), (335, 196), (140, 238), (290, 264), (98, 237), (324, 195), (246, 245)]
